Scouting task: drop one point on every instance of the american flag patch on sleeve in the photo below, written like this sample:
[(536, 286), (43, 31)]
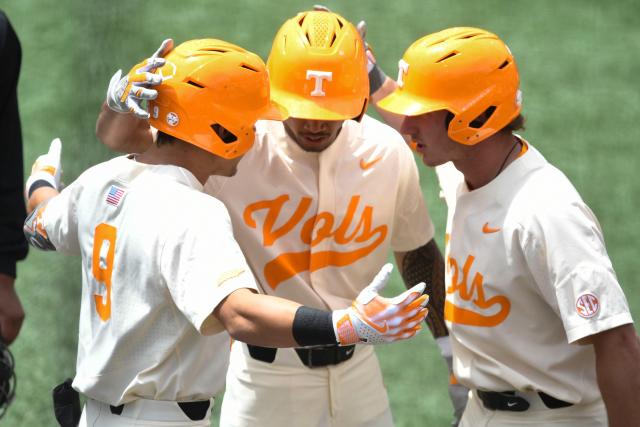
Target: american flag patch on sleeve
[(115, 195)]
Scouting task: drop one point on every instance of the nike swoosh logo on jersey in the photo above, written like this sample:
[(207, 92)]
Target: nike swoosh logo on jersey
[(488, 230), (364, 165)]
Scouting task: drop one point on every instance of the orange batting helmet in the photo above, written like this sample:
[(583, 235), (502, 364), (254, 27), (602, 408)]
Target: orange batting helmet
[(211, 95), (318, 68), (467, 71)]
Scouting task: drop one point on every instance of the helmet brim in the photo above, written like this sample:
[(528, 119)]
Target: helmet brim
[(275, 111), (300, 107), (406, 104)]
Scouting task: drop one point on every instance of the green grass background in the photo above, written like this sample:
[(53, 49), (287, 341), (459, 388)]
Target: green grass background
[(579, 60)]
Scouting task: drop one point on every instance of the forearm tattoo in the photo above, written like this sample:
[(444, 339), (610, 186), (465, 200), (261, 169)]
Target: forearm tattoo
[(426, 264)]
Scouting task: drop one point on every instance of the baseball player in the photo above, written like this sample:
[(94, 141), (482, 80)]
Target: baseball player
[(541, 330), (316, 205), (162, 273)]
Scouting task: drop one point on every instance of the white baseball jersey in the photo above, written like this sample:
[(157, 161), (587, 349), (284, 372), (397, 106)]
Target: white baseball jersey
[(528, 276), (317, 227), (158, 256)]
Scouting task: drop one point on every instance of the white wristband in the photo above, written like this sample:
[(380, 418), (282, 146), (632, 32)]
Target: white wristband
[(444, 343)]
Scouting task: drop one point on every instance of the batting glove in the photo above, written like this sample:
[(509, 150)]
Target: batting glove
[(126, 94), (47, 170), (376, 75), (373, 319)]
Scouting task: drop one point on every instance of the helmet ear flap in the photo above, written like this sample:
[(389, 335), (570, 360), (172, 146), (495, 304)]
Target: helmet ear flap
[(481, 120)]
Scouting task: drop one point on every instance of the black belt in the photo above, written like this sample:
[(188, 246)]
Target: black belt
[(509, 401), (196, 410), (311, 357)]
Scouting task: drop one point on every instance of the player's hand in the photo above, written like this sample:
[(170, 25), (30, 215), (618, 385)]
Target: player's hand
[(47, 167), (373, 319), (371, 58), (11, 312), (458, 393), (126, 94)]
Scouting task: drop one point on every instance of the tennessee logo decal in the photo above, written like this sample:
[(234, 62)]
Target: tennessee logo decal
[(587, 305), (315, 229), (319, 77), (479, 310)]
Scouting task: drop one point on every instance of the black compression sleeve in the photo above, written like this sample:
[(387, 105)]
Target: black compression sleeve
[(376, 79), (38, 184), (313, 327)]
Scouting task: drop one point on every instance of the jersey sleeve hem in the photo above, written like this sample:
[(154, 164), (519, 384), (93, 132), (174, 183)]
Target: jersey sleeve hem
[(417, 241), (209, 324), (589, 329)]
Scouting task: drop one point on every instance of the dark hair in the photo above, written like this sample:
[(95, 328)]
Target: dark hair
[(515, 124)]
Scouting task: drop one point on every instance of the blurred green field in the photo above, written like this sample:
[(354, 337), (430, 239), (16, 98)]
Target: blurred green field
[(578, 61)]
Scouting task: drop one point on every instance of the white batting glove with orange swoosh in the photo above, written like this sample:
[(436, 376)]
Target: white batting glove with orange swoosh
[(373, 319), (47, 168), (126, 94)]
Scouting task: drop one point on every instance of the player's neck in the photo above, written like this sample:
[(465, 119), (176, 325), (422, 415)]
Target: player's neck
[(179, 154), (488, 159)]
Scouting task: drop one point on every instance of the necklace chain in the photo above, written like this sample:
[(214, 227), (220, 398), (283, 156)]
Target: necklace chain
[(504, 162)]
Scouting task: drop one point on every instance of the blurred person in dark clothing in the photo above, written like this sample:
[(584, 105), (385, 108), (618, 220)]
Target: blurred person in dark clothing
[(13, 246)]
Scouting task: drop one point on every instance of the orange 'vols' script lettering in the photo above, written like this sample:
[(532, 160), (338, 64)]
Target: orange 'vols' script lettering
[(475, 294), (314, 230)]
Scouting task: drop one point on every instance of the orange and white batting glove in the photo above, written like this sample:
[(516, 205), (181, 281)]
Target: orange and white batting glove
[(126, 94), (373, 319), (47, 170)]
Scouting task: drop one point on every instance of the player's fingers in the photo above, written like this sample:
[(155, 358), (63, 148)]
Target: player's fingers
[(405, 334), (115, 79), (152, 64), (362, 29), (136, 109), (408, 296), (421, 301), (55, 148), (140, 93), (165, 47), (380, 281), (144, 77)]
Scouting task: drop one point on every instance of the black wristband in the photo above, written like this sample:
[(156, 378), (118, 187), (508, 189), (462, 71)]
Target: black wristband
[(376, 79), (38, 184), (313, 327)]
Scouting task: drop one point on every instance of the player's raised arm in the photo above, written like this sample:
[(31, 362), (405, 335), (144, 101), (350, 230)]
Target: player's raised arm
[(44, 181), (122, 124), (380, 85), (42, 185), (371, 319)]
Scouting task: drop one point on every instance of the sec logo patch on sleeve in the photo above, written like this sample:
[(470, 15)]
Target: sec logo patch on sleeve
[(587, 305)]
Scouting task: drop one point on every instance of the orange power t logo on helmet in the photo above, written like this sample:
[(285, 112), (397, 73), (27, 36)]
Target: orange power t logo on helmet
[(315, 229)]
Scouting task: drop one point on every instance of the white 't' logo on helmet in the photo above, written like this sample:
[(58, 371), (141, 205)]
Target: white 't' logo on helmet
[(319, 77)]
